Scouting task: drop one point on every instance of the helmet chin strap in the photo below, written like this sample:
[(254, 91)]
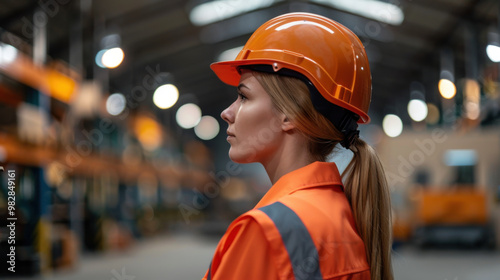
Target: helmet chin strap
[(344, 120)]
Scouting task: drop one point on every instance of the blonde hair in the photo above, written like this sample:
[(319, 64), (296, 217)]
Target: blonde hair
[(365, 184)]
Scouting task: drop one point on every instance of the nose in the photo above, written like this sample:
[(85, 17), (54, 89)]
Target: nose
[(228, 114)]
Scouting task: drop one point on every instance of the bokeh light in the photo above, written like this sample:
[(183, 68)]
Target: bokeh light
[(447, 88), (433, 114), (115, 104), (7, 54), (98, 58), (493, 53), (472, 99), (417, 109), (188, 115), (207, 128), (148, 132), (472, 110), (392, 125), (166, 96), (112, 58)]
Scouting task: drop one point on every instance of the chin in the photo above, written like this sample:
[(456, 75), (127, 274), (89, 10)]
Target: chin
[(241, 157)]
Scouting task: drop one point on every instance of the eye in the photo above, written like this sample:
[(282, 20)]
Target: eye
[(242, 96)]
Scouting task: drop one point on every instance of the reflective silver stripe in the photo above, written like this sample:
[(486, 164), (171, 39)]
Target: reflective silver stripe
[(209, 274), (298, 242)]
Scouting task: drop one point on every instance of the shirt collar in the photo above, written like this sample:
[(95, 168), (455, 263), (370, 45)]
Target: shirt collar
[(315, 174)]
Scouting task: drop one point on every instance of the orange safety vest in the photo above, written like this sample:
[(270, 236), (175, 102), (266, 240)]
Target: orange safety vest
[(303, 228)]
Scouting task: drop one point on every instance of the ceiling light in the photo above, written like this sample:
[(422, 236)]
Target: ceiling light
[(373, 9), (218, 10), (165, 96), (229, 54)]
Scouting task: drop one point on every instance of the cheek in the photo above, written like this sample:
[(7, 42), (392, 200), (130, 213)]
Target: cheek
[(256, 119), (266, 128), (258, 135), (257, 131)]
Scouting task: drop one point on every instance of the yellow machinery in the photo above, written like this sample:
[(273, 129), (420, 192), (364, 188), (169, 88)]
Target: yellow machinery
[(457, 217)]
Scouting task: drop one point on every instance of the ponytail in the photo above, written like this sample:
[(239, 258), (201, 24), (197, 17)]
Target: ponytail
[(367, 190)]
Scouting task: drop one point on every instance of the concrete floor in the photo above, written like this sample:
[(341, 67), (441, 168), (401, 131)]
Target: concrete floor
[(187, 256), (411, 264)]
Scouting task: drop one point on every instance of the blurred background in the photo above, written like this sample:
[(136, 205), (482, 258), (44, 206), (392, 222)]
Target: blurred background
[(114, 154)]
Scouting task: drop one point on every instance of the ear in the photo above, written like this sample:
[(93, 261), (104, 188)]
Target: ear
[(286, 124)]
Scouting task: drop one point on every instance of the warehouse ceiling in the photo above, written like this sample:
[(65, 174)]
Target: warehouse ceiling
[(158, 36)]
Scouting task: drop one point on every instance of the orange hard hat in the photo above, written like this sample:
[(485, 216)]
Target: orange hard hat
[(327, 53)]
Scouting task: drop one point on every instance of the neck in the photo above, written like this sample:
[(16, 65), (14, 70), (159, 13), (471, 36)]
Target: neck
[(290, 157)]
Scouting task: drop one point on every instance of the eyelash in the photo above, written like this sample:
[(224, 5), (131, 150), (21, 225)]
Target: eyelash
[(242, 96)]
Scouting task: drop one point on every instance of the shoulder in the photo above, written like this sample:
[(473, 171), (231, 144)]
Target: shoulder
[(276, 224), (244, 252), (246, 224), (248, 228), (254, 223)]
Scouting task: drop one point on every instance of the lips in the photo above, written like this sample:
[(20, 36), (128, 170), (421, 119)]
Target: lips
[(230, 135)]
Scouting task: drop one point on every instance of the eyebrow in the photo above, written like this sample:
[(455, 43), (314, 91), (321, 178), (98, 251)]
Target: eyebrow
[(242, 86)]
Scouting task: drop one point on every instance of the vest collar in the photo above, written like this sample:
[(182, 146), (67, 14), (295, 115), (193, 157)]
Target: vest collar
[(316, 174)]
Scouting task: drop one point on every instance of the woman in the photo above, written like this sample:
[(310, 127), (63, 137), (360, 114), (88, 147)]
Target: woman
[(303, 85)]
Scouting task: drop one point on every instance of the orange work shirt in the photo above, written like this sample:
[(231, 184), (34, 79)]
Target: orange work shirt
[(303, 228)]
